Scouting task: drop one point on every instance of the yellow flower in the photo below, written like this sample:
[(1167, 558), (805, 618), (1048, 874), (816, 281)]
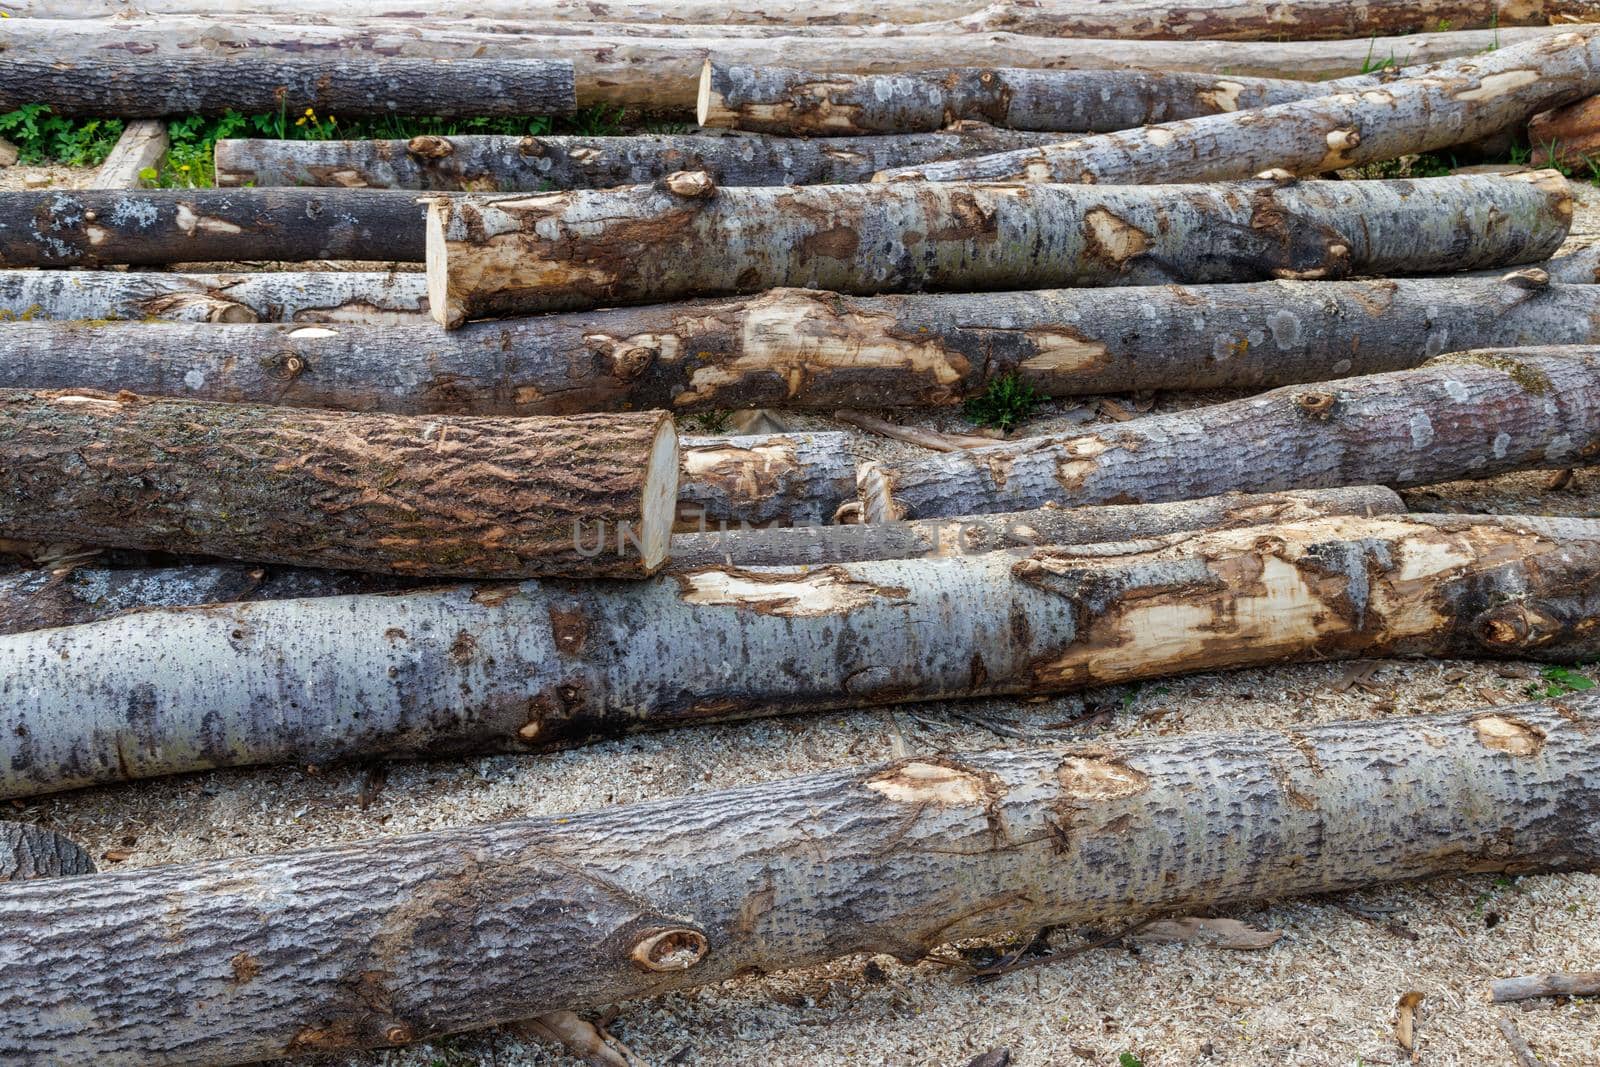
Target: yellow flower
[(311, 111), (332, 121), (184, 167), (300, 121)]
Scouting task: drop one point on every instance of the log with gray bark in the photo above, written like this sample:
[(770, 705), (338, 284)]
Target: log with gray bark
[(400, 939), (490, 668), (1451, 103), (1466, 415), (515, 255), (785, 479), (663, 74), (1555, 984), (135, 86), (28, 852), (92, 227), (441, 495), (41, 599), (802, 349), (534, 164), (371, 297)]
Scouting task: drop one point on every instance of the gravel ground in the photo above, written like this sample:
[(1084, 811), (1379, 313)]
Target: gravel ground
[(1324, 994)]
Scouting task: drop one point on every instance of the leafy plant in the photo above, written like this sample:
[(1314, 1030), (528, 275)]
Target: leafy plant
[(1004, 404), (1368, 66), (1128, 1059), (44, 137), (1559, 681)]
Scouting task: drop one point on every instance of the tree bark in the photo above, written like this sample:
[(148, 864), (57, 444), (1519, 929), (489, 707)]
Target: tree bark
[(797, 479), (459, 496), (520, 668), (520, 255), (87, 228), (800, 349), (402, 938), (663, 74), (535, 164), (791, 102), (142, 146), (28, 852), (1568, 135), (1419, 111), (370, 297), (1526, 987), (658, 13), (135, 86), (1469, 415)]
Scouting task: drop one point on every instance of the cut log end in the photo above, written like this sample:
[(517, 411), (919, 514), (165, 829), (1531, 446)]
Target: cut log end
[(704, 111), (660, 496), (445, 311)]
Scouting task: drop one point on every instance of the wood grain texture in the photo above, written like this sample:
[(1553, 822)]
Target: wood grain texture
[(371, 297)]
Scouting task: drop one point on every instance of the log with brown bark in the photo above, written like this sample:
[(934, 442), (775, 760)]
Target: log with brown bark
[(1467, 415), (1556, 984), (442, 495), (802, 349), (663, 74), (135, 86), (499, 256), (91, 227), (399, 939), (516, 668), (370, 297), (533, 164), (1568, 135), (785, 479), (1417, 111), (28, 852)]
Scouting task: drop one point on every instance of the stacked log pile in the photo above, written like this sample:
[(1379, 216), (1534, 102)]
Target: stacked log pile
[(256, 509)]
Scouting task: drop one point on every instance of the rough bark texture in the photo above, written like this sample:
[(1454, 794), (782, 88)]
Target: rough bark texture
[(518, 255), (142, 146), (136, 86), (85, 228), (463, 496), (28, 852), (802, 349), (660, 13), (370, 297), (1417, 111), (1568, 135), (787, 479), (1526, 987), (518, 668), (663, 74), (822, 545), (783, 100), (396, 939), (1469, 415), (534, 164)]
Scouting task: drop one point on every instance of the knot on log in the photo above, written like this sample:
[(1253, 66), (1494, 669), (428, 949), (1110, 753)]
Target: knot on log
[(689, 184), (531, 146), (1278, 176), (1515, 626), (1318, 405), (428, 146), (675, 948), (285, 366)]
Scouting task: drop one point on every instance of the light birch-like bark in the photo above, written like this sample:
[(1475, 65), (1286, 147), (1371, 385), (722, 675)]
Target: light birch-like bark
[(142, 146), (1559, 984), (436, 496), (92, 227), (537, 164), (1448, 104), (785, 479), (369, 297), (485, 668), (398, 939), (28, 852), (1466, 415), (517, 255), (801, 349), (135, 86), (663, 74)]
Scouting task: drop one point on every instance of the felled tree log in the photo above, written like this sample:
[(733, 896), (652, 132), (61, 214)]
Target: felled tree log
[(663, 74), (784, 100), (519, 255), (517, 164), (91, 227), (403, 938), (647, 12), (28, 852), (518, 668), (1560, 984), (1469, 415), (787, 479), (142, 146), (1448, 104), (370, 297), (460, 496), (1568, 135), (135, 86), (801, 349)]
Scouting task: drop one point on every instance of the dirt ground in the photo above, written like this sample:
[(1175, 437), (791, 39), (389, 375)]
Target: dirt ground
[(1324, 994)]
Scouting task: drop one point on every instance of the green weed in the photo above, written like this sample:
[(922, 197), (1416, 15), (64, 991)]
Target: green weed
[(1559, 681), (44, 137), (1007, 402)]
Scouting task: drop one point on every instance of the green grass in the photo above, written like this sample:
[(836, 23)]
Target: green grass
[(43, 137), (1007, 402)]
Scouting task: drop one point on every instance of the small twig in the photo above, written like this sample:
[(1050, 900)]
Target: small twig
[(939, 442), (1003, 968), (1518, 1043), (1554, 984)]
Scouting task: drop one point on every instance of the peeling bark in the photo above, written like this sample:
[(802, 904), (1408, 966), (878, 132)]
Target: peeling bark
[(663, 74), (84, 227), (518, 255), (28, 852), (1415, 111), (1467, 415), (797, 479), (454, 496), (540, 665), (370, 297), (1568, 135), (535, 164), (404, 938), (801, 349), (135, 86)]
